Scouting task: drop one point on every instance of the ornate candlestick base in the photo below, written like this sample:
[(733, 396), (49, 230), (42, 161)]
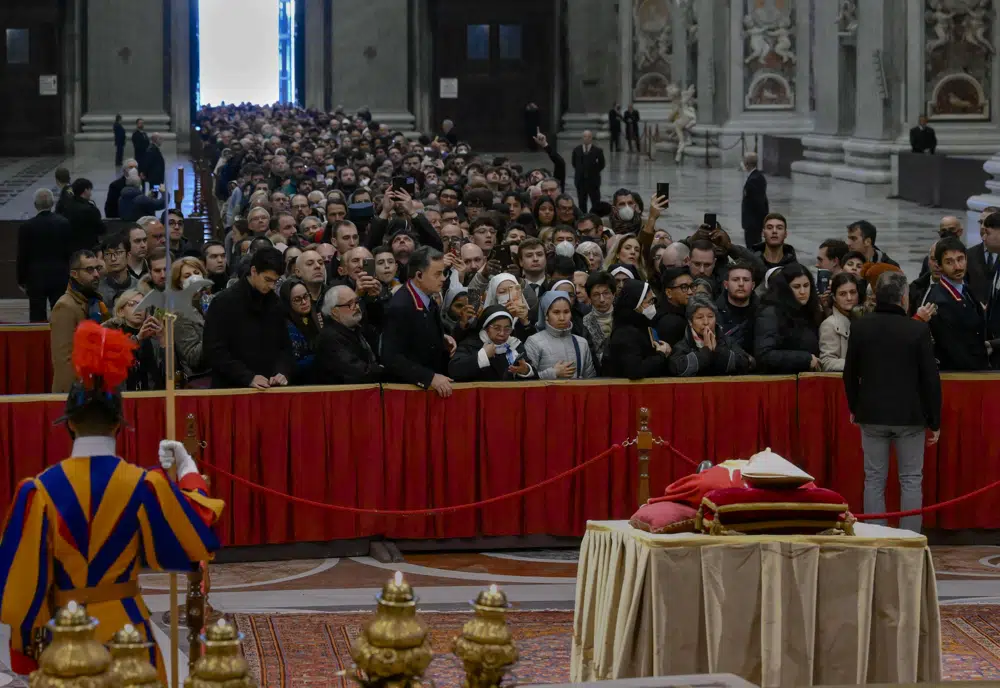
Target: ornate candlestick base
[(74, 659), (222, 664), (130, 660), (486, 646)]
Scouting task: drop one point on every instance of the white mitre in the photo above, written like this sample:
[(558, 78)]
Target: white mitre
[(766, 467)]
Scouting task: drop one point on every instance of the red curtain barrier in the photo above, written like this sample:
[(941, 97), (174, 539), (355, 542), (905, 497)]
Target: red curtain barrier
[(966, 458), (25, 359), (389, 449)]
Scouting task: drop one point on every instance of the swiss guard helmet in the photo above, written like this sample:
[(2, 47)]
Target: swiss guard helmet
[(102, 358)]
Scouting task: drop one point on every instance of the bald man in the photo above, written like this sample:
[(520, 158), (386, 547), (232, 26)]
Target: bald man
[(949, 226), (755, 206), (311, 269)]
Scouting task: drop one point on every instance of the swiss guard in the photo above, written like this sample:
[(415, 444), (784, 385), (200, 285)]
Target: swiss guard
[(82, 529)]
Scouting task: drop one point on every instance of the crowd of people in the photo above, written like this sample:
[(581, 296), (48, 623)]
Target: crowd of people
[(355, 254)]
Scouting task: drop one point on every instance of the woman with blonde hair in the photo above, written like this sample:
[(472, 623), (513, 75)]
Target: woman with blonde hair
[(146, 372), (624, 249), (189, 330)]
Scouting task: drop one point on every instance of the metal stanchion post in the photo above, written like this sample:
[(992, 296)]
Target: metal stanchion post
[(644, 443)]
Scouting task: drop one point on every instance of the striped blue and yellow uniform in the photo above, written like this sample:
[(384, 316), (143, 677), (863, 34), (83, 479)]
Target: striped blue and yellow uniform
[(84, 528)]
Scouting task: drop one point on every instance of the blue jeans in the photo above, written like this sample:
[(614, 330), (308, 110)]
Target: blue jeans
[(909, 441)]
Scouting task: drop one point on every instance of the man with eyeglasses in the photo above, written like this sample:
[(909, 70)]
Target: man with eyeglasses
[(678, 285), (449, 201), (484, 233), (343, 355), (246, 339), (82, 301), (173, 219), (116, 275)]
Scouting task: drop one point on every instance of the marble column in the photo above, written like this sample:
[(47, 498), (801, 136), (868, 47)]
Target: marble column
[(592, 79), (315, 55), (881, 49), (711, 35), (370, 58), (180, 71), (835, 30), (125, 71)]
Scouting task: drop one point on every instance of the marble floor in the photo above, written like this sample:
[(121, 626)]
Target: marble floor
[(533, 580), (905, 229)]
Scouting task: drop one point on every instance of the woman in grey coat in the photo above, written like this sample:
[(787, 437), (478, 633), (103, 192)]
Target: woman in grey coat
[(554, 351)]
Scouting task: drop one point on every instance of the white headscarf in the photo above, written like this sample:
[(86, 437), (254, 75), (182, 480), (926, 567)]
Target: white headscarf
[(491, 289)]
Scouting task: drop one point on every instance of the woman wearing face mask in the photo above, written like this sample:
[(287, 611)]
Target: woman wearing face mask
[(495, 355), (786, 337), (835, 330), (303, 328), (705, 348), (147, 368), (189, 330), (623, 249), (544, 212), (554, 351), (457, 315), (634, 351), (506, 290)]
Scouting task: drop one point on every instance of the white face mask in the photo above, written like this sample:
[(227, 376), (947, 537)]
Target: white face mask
[(626, 213), (649, 311), (188, 280), (503, 299), (565, 248)]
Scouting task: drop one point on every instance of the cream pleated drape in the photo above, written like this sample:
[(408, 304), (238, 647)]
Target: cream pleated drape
[(775, 610)]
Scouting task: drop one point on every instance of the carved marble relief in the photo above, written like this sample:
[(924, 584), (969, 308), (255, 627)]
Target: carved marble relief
[(689, 16), (652, 48), (958, 58), (847, 19), (769, 55)]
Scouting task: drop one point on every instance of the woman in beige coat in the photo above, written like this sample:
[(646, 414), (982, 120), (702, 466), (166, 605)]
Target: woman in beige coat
[(835, 330)]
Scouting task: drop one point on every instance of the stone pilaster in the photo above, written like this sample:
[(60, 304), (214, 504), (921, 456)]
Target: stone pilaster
[(315, 55), (370, 58), (591, 77)]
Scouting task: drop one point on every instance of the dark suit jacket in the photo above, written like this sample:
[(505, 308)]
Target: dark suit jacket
[(923, 139), (978, 273), (587, 167), (85, 222), (153, 166), (115, 189), (140, 144), (890, 376), (755, 206), (119, 132), (959, 329), (43, 251), (615, 122), (413, 347), (343, 357)]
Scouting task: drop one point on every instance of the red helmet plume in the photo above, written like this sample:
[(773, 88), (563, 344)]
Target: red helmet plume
[(102, 354)]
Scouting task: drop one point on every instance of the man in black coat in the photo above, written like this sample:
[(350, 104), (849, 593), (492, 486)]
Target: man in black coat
[(959, 327), (755, 206), (115, 189), (894, 393), (588, 163), (140, 141), (153, 167), (84, 217), (922, 137), (119, 132), (246, 336), (343, 355), (671, 323), (990, 294), (982, 260), (415, 348), (615, 128), (43, 251)]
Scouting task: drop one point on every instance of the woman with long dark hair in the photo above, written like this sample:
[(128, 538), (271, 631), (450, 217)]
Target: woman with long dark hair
[(786, 331), (303, 327), (544, 213)]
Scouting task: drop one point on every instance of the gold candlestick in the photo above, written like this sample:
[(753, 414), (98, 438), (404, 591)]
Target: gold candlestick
[(393, 650), (130, 660), (486, 646), (74, 659), (222, 664)]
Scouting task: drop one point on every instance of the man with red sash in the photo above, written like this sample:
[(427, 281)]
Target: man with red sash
[(959, 327), (82, 529)]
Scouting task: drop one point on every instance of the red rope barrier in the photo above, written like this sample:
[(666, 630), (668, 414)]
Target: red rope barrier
[(931, 507), (414, 512), (680, 455)]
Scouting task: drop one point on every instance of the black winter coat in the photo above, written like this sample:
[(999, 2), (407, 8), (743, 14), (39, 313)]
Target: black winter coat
[(729, 358), (85, 222), (343, 357), (44, 246), (959, 330), (671, 323), (781, 344), (413, 347), (464, 365), (246, 335)]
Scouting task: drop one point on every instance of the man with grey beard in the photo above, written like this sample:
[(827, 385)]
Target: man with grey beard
[(343, 356)]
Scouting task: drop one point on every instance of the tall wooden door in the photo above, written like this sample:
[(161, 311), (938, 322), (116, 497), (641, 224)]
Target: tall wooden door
[(30, 82), (490, 60)]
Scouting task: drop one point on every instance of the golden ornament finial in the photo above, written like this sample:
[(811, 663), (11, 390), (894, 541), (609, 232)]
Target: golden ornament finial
[(130, 660), (74, 659), (223, 663), (393, 650), (486, 646)]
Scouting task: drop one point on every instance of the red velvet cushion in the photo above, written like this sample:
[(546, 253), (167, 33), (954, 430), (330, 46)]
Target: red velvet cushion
[(664, 517), (691, 488), (768, 510)]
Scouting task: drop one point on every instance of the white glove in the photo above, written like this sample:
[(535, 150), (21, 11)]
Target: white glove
[(173, 452)]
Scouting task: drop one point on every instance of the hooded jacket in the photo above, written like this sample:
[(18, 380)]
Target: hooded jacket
[(549, 346), (630, 350)]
